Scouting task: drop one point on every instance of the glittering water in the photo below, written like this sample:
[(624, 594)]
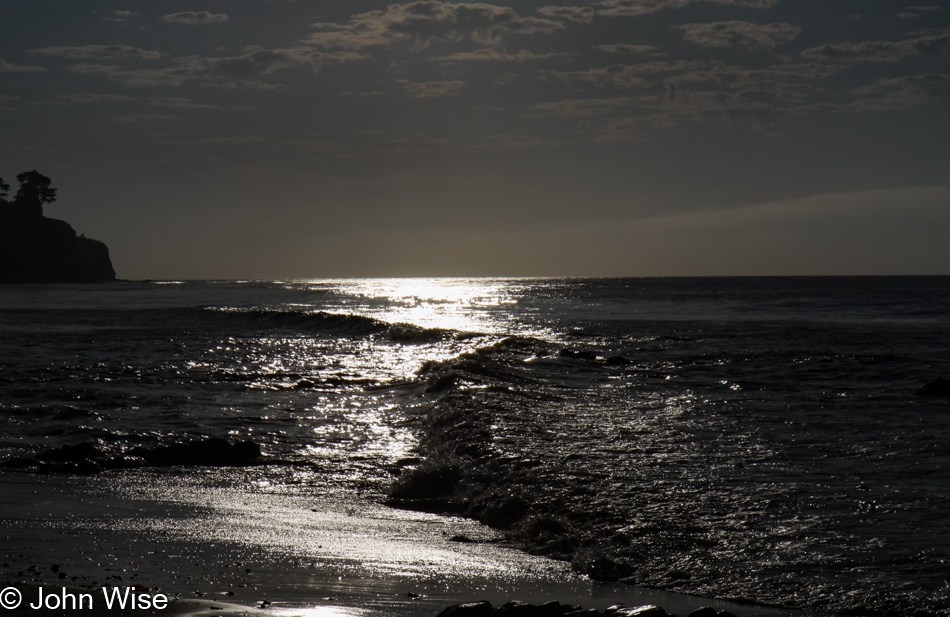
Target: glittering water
[(744, 438)]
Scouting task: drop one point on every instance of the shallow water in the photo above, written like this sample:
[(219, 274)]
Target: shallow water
[(737, 438)]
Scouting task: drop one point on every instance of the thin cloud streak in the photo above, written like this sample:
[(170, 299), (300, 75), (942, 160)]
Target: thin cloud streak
[(195, 18), (741, 35)]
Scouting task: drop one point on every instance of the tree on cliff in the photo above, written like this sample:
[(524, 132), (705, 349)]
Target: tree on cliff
[(34, 191)]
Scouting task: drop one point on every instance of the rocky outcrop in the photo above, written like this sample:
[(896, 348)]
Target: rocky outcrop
[(36, 249), (938, 388), (88, 459)]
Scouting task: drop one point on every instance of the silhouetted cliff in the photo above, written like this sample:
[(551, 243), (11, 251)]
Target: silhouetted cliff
[(36, 249)]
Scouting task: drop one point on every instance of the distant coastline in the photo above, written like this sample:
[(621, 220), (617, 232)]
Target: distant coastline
[(37, 249)]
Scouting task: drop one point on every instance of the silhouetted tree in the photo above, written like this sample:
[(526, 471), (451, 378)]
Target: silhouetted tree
[(34, 191), (4, 191)]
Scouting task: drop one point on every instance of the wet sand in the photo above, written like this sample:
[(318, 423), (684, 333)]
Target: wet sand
[(224, 541)]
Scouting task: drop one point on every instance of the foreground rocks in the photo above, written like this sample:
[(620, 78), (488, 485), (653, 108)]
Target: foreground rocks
[(87, 459), (556, 609), (938, 388)]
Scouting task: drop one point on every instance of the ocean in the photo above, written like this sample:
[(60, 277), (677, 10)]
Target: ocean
[(753, 439)]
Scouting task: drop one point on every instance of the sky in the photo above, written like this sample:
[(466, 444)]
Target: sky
[(262, 139)]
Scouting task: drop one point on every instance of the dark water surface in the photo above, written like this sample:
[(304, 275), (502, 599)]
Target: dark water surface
[(751, 438)]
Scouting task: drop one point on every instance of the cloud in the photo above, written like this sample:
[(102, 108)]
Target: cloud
[(636, 8), (129, 77), (739, 34), (89, 98), (180, 103), (256, 63), (900, 93), (242, 71), (364, 93), (121, 18), (368, 148), (696, 93), (775, 90), (504, 142), (144, 118), (493, 55), (585, 108), (9, 67), (918, 11), (580, 14), (626, 75), (432, 89), (934, 43), (421, 23), (932, 85), (636, 50), (195, 18), (742, 77), (99, 52)]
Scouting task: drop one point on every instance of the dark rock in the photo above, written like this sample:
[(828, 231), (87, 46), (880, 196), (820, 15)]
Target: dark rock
[(72, 454), (207, 453), (705, 611), (122, 462), (939, 387), (78, 468), (429, 481), (544, 528), (590, 612), (601, 565), (472, 609), (432, 506), (504, 513), (85, 459), (518, 609), (19, 463), (551, 609), (577, 354)]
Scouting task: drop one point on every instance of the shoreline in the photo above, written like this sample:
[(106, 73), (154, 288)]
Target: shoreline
[(299, 555)]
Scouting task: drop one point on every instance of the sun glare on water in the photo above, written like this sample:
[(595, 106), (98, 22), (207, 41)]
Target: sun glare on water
[(449, 303), (319, 611)]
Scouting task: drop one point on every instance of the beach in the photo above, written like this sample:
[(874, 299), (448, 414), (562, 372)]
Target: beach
[(216, 542)]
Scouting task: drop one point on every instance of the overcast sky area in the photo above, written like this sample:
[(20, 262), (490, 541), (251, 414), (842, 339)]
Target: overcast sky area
[(332, 138)]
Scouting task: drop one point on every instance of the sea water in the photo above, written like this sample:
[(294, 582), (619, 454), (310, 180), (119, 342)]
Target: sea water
[(747, 438)]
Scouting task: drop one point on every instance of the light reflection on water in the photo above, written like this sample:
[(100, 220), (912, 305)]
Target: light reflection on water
[(320, 611), (462, 304)]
